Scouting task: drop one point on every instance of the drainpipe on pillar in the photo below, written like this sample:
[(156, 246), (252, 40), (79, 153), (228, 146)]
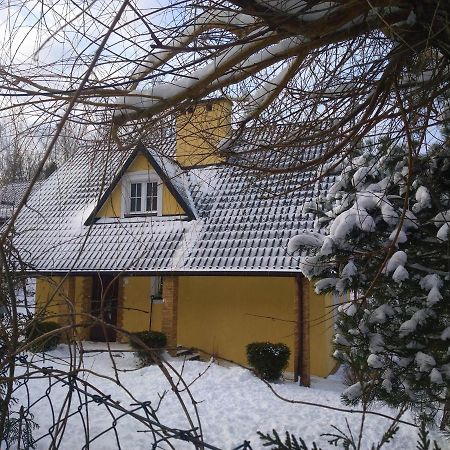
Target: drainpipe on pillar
[(302, 353), (151, 313)]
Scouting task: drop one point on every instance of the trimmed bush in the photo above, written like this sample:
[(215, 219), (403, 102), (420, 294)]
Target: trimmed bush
[(154, 340), (37, 329), (268, 360)]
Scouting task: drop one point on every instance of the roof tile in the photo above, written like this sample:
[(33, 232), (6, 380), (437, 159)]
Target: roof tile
[(242, 220)]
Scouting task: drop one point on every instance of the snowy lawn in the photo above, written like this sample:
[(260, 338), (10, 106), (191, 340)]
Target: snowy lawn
[(233, 404)]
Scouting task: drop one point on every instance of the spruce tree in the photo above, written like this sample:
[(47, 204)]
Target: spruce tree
[(384, 246)]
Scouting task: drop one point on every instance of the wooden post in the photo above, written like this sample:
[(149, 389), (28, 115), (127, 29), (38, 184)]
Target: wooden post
[(67, 308), (170, 311), (306, 345), (302, 367), (85, 307), (298, 329)]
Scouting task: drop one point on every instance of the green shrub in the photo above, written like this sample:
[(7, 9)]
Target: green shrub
[(154, 340), (268, 360), (36, 329)]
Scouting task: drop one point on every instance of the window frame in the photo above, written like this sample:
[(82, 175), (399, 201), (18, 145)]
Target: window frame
[(156, 289), (142, 178)]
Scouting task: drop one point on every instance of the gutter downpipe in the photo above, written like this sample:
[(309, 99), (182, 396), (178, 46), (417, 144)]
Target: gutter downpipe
[(301, 342)]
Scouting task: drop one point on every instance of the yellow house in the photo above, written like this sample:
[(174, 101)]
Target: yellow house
[(180, 234)]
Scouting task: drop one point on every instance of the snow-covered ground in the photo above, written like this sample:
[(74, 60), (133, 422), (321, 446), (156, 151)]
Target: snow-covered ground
[(232, 403)]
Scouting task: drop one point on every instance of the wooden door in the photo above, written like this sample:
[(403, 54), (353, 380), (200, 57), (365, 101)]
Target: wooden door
[(105, 292)]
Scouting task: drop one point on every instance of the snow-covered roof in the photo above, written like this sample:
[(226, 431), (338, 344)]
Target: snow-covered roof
[(10, 195), (237, 220)]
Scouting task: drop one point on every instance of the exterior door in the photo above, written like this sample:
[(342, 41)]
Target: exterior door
[(105, 292)]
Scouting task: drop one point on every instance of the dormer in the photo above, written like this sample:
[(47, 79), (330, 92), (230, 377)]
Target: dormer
[(146, 186)]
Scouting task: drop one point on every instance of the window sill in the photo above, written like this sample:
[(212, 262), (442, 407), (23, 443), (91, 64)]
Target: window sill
[(141, 214)]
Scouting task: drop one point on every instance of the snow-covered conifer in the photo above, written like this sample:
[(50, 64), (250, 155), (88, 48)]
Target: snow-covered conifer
[(386, 224)]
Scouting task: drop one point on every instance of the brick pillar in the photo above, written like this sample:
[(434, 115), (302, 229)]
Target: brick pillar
[(121, 300), (170, 311)]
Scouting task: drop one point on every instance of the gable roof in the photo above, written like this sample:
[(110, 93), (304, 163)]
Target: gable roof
[(237, 220), (169, 172)]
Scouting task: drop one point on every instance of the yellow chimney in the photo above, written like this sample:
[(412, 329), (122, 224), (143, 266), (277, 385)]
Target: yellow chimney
[(200, 130)]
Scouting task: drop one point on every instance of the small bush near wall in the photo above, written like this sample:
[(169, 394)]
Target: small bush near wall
[(154, 340), (268, 360), (37, 329)]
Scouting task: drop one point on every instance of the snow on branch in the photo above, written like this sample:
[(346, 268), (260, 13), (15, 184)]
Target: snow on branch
[(306, 239), (210, 19), (232, 65)]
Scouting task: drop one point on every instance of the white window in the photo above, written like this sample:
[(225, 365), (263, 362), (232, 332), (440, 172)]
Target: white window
[(136, 197), (141, 194)]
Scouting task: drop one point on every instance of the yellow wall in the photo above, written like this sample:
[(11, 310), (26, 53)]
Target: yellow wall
[(170, 206), (113, 205), (218, 314), (135, 305), (50, 297), (65, 301), (140, 164), (321, 319), (200, 131)]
